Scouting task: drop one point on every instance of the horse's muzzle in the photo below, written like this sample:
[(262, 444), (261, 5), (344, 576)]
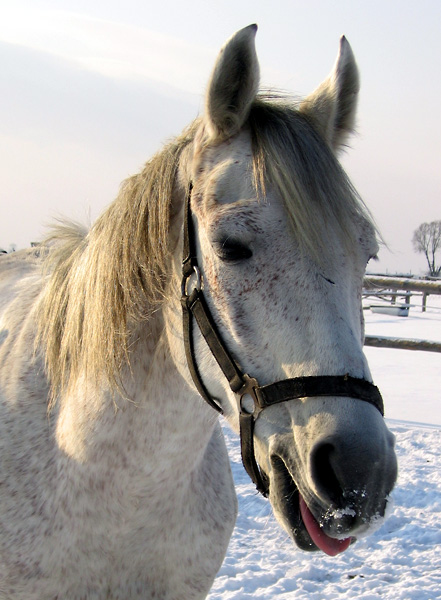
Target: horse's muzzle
[(346, 494)]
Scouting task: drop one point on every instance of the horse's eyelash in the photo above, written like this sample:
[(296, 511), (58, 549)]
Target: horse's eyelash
[(328, 280)]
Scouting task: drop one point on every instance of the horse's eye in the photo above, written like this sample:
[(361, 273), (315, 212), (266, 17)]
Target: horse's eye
[(233, 250)]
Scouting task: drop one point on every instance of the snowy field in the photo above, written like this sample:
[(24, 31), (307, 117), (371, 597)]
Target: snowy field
[(402, 560)]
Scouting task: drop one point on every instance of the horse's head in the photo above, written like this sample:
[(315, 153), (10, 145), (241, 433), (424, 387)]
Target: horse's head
[(282, 242)]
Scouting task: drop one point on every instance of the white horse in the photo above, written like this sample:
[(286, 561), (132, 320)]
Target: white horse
[(114, 476)]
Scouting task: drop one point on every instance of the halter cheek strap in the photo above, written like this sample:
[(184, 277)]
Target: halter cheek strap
[(195, 308)]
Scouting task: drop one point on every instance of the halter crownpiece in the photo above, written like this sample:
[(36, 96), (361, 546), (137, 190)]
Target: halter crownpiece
[(194, 307)]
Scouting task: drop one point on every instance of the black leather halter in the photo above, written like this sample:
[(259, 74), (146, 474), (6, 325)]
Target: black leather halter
[(195, 307)]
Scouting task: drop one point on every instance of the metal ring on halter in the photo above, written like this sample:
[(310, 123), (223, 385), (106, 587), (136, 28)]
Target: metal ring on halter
[(198, 285), (248, 390)]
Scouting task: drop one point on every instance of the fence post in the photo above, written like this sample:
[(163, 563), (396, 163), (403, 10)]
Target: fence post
[(423, 307)]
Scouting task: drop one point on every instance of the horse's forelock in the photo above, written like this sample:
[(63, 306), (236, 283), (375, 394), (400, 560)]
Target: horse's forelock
[(290, 155)]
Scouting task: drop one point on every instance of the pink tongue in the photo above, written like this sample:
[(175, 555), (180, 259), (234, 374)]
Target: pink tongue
[(327, 544)]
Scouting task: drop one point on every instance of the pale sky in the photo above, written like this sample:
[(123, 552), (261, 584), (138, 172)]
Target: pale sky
[(91, 89)]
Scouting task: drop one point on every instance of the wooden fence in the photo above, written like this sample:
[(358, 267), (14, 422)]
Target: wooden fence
[(393, 287), (402, 283)]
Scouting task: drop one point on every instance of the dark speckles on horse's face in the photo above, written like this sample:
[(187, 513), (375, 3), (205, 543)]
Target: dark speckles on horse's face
[(271, 292), (247, 288)]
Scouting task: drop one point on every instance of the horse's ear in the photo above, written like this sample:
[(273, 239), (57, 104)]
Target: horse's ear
[(233, 85), (332, 106)]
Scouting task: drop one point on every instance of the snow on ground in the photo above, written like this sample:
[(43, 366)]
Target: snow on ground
[(400, 561), (409, 380)]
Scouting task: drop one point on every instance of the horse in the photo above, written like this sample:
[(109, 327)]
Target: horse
[(225, 278)]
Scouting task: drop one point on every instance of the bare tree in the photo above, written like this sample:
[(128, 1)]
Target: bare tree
[(427, 240)]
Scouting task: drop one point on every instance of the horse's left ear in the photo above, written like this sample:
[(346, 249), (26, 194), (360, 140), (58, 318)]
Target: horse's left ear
[(332, 106), (233, 85)]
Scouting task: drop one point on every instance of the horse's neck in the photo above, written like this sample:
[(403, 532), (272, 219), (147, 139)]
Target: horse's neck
[(158, 422)]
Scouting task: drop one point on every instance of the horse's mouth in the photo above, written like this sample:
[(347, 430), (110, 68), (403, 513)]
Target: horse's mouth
[(298, 518)]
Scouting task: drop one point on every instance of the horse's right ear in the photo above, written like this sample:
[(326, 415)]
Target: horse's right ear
[(233, 85), (333, 105)]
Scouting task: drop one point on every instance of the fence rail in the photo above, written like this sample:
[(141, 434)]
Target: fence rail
[(402, 283), (402, 344)]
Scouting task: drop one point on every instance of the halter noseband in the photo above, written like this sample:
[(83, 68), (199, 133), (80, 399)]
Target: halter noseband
[(195, 307)]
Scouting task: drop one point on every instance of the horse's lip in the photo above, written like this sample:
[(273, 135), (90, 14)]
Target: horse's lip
[(284, 487), (298, 530)]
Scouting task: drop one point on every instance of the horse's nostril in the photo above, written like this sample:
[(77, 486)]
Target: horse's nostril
[(326, 482)]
